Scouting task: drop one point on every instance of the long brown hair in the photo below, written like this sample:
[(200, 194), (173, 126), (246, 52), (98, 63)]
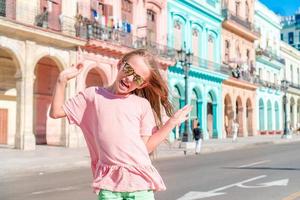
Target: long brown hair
[(156, 92)]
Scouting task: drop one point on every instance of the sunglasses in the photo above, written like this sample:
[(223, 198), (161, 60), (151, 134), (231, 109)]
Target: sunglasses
[(128, 71)]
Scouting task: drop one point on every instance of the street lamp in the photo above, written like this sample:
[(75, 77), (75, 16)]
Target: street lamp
[(284, 87), (185, 59)]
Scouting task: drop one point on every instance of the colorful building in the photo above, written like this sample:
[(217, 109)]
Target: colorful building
[(196, 27), (268, 67), (40, 38), (290, 32), (238, 55), (291, 73)]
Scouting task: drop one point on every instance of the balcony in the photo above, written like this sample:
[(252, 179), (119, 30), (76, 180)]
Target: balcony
[(295, 85), (269, 54), (113, 36), (267, 84), (209, 65), (240, 25)]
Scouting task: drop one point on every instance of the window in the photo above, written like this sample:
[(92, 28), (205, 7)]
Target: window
[(127, 11), (291, 38), (227, 51), (275, 78), (237, 8), (298, 76), (151, 25), (260, 73), (247, 11), (211, 46), (177, 34), (281, 36), (291, 72), (195, 43), (248, 56), (268, 76)]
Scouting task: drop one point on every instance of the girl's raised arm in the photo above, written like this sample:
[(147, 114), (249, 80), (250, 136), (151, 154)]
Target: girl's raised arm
[(154, 140), (58, 98)]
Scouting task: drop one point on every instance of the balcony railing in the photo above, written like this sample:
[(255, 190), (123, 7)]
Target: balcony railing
[(114, 36), (80, 27), (269, 54), (228, 15), (295, 85), (209, 65), (267, 84)]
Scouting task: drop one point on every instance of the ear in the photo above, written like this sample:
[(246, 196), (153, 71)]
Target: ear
[(143, 85)]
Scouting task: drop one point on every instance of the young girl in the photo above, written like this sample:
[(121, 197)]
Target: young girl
[(120, 123)]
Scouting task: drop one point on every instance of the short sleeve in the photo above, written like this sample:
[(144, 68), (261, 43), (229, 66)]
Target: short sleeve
[(148, 125), (76, 106)]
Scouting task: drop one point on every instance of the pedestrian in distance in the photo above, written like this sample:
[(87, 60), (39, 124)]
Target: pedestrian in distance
[(198, 137), (235, 129), (122, 124)]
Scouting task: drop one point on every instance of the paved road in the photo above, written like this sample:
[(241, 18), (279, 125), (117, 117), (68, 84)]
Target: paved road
[(266, 172)]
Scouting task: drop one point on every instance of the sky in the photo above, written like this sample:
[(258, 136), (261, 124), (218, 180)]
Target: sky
[(282, 7)]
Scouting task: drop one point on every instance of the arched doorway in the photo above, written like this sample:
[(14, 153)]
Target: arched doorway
[(269, 114), (46, 130), (94, 78), (292, 112), (8, 97), (261, 115), (249, 117), (228, 115), (277, 127), (212, 115), (239, 115)]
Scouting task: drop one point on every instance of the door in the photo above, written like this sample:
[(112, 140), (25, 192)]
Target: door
[(3, 125)]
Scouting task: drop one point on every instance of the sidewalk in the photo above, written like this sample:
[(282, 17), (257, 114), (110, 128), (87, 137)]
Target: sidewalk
[(48, 158)]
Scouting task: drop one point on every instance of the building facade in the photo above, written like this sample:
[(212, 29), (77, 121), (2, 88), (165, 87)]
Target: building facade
[(291, 73), (49, 36), (195, 26), (290, 32), (268, 67), (238, 55)]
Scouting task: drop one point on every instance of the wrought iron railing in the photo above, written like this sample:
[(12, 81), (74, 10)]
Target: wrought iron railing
[(269, 54), (210, 65), (115, 36), (267, 84), (81, 27), (228, 15)]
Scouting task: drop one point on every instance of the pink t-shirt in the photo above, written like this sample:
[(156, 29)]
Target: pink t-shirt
[(112, 127)]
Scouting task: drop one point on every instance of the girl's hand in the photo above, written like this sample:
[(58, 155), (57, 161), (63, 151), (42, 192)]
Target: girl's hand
[(181, 115), (70, 73)]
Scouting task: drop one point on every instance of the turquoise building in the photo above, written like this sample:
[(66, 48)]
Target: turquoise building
[(195, 26), (268, 68)]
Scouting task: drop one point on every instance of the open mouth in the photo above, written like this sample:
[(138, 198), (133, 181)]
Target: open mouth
[(124, 84)]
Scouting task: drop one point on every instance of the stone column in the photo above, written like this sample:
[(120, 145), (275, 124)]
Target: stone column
[(25, 138)]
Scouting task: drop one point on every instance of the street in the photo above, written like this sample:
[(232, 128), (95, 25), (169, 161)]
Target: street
[(266, 172)]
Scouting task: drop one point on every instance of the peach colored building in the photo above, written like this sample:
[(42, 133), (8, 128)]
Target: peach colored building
[(238, 54), (40, 38)]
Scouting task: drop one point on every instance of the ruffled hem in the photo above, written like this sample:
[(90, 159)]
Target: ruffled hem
[(127, 178)]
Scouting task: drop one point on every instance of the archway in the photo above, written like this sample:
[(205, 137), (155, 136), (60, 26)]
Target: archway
[(239, 115), (277, 127), (8, 97), (94, 78), (269, 114), (228, 115), (212, 115), (261, 115), (46, 130), (292, 112), (249, 117)]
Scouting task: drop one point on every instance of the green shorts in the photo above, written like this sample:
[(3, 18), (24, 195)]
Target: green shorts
[(138, 195)]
